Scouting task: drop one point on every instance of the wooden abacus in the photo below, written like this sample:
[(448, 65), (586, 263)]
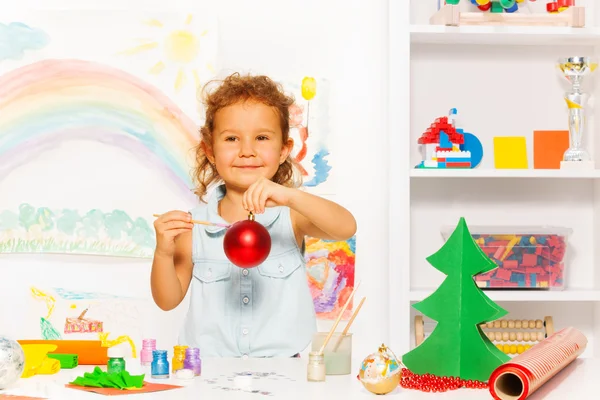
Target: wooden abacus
[(510, 341)]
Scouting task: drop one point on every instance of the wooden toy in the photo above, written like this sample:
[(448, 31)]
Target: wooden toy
[(495, 6), (524, 261), (510, 336), (556, 6), (502, 12)]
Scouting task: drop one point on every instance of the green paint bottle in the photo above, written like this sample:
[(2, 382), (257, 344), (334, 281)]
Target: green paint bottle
[(116, 362)]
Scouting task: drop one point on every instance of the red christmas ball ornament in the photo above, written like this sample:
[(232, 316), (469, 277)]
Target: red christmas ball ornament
[(247, 243)]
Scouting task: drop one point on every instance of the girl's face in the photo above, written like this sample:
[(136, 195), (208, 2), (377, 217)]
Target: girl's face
[(247, 143)]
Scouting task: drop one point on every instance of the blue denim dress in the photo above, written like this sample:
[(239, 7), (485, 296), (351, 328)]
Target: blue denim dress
[(266, 311)]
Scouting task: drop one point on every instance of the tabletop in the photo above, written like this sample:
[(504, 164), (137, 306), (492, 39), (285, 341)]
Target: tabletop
[(286, 379)]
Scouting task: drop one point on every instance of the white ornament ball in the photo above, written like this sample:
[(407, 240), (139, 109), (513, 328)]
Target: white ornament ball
[(12, 362)]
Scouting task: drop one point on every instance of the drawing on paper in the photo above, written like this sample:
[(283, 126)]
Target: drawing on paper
[(80, 324), (47, 330), (309, 128), (188, 49), (16, 38), (91, 316), (47, 102), (330, 272), (79, 295), (42, 230)]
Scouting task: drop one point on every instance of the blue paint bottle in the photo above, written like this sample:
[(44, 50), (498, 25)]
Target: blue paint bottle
[(160, 364)]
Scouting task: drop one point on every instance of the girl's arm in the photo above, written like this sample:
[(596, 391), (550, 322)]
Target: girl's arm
[(171, 275), (320, 218)]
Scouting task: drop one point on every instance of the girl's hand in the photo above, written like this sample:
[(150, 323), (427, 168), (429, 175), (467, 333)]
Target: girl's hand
[(168, 226), (265, 193)]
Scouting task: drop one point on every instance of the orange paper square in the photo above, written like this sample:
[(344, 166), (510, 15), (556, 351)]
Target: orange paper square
[(549, 148), (147, 388)]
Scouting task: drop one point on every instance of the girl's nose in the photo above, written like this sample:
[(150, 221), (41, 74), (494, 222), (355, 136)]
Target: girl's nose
[(247, 148)]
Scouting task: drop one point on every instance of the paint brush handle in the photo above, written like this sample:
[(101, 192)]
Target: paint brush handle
[(345, 331), (337, 321), (195, 221)]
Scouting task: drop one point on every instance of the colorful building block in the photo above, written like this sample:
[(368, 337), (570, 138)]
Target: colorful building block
[(496, 6), (524, 261), (444, 146)]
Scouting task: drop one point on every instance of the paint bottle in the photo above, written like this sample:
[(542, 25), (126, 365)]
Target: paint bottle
[(178, 358), (192, 360), (148, 346), (316, 367), (160, 364), (116, 362)]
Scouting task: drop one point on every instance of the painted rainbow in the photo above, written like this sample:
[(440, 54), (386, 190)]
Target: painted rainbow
[(56, 100)]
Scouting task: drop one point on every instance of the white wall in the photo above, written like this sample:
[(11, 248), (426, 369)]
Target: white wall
[(343, 41)]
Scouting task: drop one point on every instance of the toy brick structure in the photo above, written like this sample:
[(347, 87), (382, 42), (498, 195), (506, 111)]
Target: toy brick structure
[(442, 146)]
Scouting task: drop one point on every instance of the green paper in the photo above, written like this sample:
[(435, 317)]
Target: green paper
[(458, 346), (118, 380), (99, 378), (67, 361), (81, 381), (132, 380)]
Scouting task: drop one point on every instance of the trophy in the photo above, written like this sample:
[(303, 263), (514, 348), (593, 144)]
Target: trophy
[(574, 69)]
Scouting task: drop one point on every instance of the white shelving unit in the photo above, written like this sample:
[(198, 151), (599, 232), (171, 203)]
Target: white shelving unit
[(504, 82)]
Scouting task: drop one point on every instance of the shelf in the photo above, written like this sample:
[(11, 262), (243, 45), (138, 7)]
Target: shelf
[(504, 173), (504, 35), (526, 295)]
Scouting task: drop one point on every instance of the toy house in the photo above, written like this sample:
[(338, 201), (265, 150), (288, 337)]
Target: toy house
[(441, 146)]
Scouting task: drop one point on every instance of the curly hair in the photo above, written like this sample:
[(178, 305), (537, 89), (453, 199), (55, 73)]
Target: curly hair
[(234, 89)]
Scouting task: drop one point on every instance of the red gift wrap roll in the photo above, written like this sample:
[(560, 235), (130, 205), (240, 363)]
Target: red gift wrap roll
[(527, 372)]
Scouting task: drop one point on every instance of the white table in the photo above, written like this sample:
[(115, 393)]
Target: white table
[(577, 381)]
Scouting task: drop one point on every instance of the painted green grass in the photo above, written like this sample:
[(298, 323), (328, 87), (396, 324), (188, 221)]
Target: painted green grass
[(31, 229), (51, 244)]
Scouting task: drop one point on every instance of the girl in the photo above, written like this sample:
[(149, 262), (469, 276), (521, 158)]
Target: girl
[(265, 311)]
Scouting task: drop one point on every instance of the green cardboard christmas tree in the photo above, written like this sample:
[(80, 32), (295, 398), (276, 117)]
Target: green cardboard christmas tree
[(458, 346)]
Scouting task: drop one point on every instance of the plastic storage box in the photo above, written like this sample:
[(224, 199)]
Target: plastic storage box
[(528, 257)]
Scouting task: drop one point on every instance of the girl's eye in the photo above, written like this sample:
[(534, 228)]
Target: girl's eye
[(263, 138), (230, 139)]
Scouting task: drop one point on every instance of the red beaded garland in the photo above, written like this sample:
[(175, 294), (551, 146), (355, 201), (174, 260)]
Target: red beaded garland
[(432, 383)]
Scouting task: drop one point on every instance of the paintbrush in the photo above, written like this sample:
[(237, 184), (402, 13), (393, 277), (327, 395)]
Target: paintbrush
[(337, 321), (195, 221), (345, 331)]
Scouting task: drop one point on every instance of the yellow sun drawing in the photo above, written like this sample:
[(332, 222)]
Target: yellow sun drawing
[(181, 47)]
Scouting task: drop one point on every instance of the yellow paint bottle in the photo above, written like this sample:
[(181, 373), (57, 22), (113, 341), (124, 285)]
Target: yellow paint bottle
[(178, 357)]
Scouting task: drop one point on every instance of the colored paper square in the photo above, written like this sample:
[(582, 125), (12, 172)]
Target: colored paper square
[(549, 148), (510, 152), (147, 388)]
